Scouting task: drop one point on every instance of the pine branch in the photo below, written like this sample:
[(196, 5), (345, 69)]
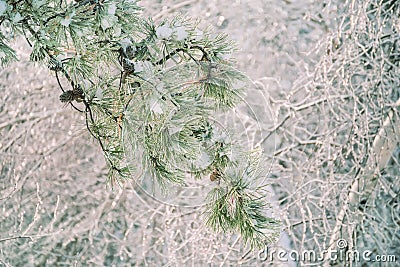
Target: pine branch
[(136, 80)]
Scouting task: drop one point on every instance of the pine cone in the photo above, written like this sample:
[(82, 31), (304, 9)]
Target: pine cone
[(78, 93), (67, 96), (78, 90), (215, 175), (128, 65), (130, 52)]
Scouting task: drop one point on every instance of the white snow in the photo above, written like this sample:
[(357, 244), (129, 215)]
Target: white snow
[(3, 7), (112, 8), (163, 31), (181, 33)]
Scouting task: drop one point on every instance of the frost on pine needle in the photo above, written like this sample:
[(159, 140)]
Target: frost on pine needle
[(112, 8), (3, 7), (67, 20), (181, 33), (163, 31), (148, 94)]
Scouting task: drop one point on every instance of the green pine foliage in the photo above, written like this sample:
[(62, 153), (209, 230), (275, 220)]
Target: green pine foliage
[(148, 91)]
